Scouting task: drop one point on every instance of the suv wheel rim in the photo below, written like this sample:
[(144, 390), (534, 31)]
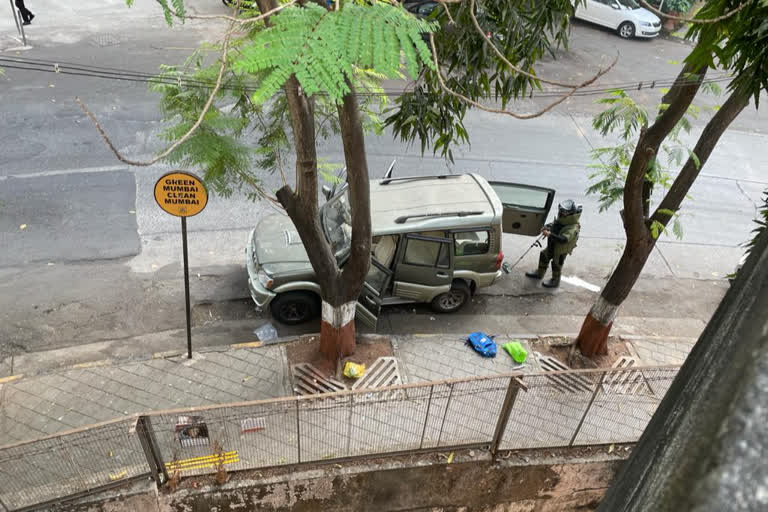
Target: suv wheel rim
[(452, 300), (626, 31), (293, 311)]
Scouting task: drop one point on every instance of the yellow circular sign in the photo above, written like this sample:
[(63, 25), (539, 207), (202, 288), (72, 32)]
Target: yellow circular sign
[(181, 194)]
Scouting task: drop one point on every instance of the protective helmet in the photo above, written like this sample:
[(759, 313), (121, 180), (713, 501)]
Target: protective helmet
[(568, 207)]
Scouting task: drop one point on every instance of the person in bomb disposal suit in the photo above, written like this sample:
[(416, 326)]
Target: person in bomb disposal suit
[(562, 235)]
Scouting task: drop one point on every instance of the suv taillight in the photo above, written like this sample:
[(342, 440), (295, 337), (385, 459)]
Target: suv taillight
[(499, 259)]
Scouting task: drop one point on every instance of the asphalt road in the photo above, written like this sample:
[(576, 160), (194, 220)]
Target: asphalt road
[(66, 202)]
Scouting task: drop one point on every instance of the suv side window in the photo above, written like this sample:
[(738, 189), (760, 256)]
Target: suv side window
[(468, 243), (422, 252)]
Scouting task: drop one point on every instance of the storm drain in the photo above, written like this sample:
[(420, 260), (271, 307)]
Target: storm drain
[(631, 382), (307, 380), (104, 40), (382, 373), (562, 382)]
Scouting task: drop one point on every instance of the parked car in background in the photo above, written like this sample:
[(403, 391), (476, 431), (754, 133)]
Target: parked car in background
[(436, 239), (626, 17), (421, 8)]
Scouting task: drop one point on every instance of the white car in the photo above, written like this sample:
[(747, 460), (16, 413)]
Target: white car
[(624, 16)]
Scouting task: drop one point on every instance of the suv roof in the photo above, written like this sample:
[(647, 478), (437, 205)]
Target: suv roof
[(404, 205)]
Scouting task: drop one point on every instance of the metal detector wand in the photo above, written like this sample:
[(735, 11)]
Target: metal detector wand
[(508, 268)]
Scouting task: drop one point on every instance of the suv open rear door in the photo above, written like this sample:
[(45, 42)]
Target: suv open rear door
[(526, 207), (374, 286)]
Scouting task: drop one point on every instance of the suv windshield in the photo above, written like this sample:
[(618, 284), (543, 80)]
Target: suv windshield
[(337, 223)]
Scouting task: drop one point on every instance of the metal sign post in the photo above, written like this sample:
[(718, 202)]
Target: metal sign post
[(183, 195), (19, 24)]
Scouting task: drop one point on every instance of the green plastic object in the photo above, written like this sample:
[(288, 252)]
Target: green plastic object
[(516, 350)]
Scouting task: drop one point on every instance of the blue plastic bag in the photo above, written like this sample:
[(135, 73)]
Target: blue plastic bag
[(482, 343)]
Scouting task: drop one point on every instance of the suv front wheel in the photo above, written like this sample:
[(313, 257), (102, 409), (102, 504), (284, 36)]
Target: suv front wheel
[(627, 30), (452, 300), (293, 308)]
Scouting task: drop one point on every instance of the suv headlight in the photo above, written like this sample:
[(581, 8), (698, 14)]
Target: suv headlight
[(647, 24), (265, 279)]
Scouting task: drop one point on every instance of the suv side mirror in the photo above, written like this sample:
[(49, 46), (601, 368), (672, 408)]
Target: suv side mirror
[(327, 192)]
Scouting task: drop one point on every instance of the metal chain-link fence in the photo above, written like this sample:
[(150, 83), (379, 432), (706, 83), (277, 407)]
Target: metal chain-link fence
[(502, 412)]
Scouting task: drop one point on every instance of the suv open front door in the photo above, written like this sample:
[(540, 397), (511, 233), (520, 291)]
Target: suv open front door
[(526, 207), (374, 286)]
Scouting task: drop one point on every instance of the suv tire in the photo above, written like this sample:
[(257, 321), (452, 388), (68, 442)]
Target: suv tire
[(626, 30), (292, 308), (452, 300)]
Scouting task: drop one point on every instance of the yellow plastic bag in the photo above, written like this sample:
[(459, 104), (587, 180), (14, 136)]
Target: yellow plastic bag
[(354, 370)]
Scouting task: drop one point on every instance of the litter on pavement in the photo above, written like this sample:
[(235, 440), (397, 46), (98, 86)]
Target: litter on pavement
[(266, 332), (516, 351), (354, 370), (482, 343)]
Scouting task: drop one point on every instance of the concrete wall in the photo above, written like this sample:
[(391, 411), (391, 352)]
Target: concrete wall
[(458, 487)]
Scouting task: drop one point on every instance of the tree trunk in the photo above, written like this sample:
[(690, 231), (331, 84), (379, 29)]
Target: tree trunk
[(593, 337), (594, 332), (337, 332), (339, 288)]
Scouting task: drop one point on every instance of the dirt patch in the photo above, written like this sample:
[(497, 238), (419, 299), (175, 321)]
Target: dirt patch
[(369, 348), (564, 350)]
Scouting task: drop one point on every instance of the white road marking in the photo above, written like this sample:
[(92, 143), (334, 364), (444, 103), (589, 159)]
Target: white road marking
[(575, 281), (42, 174)]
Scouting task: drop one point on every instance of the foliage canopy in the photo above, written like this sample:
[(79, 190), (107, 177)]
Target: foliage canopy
[(321, 47)]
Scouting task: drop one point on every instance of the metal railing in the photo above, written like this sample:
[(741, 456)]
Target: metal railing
[(500, 412)]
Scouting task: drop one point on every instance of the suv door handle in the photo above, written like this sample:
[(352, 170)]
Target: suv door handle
[(442, 274)]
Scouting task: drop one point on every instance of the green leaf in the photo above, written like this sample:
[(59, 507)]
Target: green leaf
[(657, 228), (677, 228), (323, 48)]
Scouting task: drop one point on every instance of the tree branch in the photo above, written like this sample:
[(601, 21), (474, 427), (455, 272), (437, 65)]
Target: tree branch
[(709, 137), (693, 20), (678, 99), (476, 104), (353, 140), (232, 19), (520, 70), (186, 136)]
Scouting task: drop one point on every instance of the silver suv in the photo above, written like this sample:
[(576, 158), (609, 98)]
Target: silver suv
[(436, 239)]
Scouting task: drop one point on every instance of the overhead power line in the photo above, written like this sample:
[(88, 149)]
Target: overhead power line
[(84, 70)]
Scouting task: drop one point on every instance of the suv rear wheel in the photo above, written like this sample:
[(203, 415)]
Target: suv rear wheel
[(293, 308), (452, 300)]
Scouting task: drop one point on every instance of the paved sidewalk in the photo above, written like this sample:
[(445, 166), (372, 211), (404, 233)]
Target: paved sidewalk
[(36, 406)]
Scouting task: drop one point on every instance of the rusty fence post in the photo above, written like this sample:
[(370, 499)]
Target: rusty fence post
[(514, 386), (589, 406), (350, 417), (298, 434), (151, 450), (426, 416), (445, 413)]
